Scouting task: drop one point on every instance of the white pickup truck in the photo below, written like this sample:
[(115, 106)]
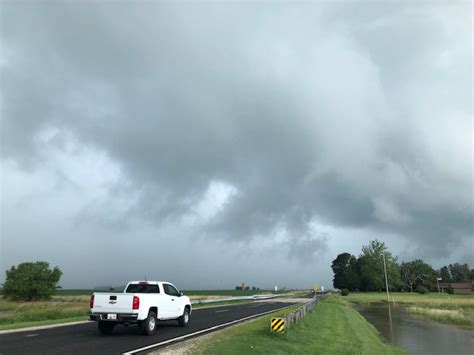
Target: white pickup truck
[(142, 303)]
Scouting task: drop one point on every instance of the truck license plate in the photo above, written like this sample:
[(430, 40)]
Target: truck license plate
[(111, 316)]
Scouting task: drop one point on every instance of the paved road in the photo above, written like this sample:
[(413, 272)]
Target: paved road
[(86, 339)]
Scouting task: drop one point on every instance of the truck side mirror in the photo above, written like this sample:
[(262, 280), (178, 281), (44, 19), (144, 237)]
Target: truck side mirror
[(181, 293)]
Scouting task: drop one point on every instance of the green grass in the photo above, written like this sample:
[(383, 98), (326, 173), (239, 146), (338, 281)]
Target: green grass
[(25, 314), (440, 307), (332, 327)]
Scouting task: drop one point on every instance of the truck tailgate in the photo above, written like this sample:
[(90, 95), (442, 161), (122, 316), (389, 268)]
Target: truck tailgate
[(113, 303)]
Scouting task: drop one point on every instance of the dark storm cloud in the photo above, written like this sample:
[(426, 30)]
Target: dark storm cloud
[(333, 113)]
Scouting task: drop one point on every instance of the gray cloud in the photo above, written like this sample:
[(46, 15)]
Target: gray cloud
[(356, 117)]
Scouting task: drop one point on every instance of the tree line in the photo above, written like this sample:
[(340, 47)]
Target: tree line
[(366, 273)]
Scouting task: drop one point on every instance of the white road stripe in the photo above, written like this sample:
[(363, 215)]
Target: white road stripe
[(222, 310), (207, 330)]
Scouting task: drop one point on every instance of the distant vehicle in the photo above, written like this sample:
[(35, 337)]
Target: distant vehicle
[(142, 303)]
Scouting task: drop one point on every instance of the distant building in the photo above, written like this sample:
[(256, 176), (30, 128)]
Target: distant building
[(459, 288)]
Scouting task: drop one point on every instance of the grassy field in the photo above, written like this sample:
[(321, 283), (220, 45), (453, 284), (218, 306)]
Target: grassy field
[(333, 327), (445, 308), (60, 309)]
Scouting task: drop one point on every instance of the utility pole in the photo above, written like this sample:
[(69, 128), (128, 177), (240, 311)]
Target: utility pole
[(388, 298), (386, 280)]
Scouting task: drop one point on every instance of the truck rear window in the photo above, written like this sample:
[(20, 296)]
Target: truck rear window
[(142, 288)]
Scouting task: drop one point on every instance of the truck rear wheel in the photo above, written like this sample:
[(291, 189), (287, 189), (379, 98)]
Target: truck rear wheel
[(106, 327), (148, 325), (184, 319)]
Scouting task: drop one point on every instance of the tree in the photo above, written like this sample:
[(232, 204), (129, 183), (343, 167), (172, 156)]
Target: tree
[(445, 274), (417, 273), (371, 271), (456, 273), (460, 272), (31, 281), (345, 272)]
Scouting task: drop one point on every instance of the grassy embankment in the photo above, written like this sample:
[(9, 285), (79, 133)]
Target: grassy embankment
[(73, 305), (444, 308), (333, 327)]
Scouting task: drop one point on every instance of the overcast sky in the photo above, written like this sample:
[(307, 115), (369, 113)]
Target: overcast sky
[(210, 144)]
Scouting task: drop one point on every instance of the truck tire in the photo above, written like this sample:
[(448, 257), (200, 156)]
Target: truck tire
[(106, 327), (148, 325), (184, 319)]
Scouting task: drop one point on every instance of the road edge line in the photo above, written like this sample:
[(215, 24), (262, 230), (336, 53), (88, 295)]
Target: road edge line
[(202, 331)]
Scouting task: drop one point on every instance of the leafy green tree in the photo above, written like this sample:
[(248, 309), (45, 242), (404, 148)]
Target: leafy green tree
[(445, 274), (345, 272), (31, 281), (371, 270), (417, 273), (460, 272)]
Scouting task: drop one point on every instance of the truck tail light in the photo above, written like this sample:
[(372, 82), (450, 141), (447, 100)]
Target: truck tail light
[(91, 302), (136, 302)]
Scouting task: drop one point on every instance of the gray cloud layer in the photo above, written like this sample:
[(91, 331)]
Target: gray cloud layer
[(312, 123)]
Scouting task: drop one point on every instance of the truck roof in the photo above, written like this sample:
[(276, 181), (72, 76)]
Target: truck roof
[(148, 282)]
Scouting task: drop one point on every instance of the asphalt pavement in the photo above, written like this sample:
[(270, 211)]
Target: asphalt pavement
[(86, 339)]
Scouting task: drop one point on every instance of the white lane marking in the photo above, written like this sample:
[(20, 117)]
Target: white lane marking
[(222, 310), (31, 335), (202, 331)]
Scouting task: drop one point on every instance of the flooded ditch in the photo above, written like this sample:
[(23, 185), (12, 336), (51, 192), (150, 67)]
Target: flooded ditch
[(417, 335)]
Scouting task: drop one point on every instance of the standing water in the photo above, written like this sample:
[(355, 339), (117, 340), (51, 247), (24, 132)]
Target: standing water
[(418, 335)]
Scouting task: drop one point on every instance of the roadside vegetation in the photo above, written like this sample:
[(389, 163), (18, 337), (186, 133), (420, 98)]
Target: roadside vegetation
[(441, 307), (14, 314), (332, 327)]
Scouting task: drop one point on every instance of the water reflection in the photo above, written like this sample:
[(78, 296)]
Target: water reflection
[(390, 322), (418, 335)]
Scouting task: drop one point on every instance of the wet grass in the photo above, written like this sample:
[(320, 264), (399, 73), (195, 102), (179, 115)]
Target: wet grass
[(461, 317)]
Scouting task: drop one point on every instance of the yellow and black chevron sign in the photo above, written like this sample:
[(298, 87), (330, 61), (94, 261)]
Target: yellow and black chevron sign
[(278, 325)]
